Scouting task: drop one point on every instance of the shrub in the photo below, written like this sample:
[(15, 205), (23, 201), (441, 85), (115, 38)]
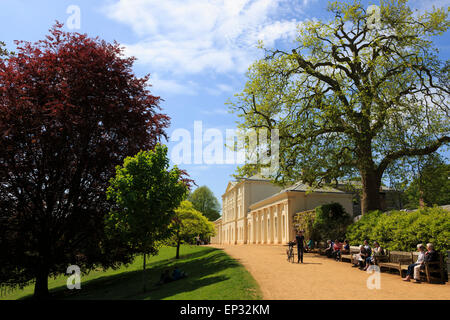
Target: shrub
[(330, 222), (400, 230), (304, 221)]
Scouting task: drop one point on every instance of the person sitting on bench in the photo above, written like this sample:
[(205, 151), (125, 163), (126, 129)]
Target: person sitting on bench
[(329, 249), (310, 245), (346, 248), (359, 257), (377, 251), (415, 267), (337, 246)]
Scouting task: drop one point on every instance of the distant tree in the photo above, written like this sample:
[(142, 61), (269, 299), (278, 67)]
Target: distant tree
[(352, 95), (3, 51), (204, 201), (189, 223), (146, 193), (431, 185), (71, 109)]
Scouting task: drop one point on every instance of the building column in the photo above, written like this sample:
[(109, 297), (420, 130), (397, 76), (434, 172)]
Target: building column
[(285, 235), (255, 227), (277, 215), (272, 225), (263, 229), (267, 225)]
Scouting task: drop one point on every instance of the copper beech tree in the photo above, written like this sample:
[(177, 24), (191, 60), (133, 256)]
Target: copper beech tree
[(71, 110)]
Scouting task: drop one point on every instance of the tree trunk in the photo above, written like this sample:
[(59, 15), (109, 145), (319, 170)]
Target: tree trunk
[(143, 274), (41, 285), (371, 183), (178, 249)]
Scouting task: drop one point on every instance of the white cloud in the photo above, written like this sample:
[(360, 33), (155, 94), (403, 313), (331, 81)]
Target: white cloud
[(159, 85), (194, 36), (428, 5), (215, 112)]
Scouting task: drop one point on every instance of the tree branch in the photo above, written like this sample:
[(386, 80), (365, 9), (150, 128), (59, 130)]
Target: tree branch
[(412, 152)]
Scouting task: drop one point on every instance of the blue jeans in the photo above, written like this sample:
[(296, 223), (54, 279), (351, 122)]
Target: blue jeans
[(300, 253), (411, 269)]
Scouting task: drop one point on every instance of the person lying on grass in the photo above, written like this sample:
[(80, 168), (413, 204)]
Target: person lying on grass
[(177, 274), (165, 277)]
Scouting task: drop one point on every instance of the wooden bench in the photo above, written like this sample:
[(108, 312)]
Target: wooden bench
[(395, 260), (433, 271), (400, 260), (349, 255)]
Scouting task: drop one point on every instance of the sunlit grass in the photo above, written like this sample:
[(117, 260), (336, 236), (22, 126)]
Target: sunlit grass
[(212, 275)]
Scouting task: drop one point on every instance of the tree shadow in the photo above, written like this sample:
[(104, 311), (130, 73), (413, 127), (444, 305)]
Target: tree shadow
[(202, 268)]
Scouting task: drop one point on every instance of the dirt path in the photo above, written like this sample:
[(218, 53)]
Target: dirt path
[(322, 278)]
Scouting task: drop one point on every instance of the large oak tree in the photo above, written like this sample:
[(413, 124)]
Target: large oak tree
[(71, 109), (353, 96)]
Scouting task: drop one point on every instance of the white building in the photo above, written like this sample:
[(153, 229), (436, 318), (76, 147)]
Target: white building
[(255, 211)]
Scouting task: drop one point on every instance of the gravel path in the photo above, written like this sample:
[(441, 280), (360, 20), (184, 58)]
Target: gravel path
[(322, 278)]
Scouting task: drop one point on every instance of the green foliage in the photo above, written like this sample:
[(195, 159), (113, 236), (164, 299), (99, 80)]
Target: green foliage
[(4, 52), (189, 223), (305, 221), (432, 185), (330, 222), (401, 230), (348, 98), (358, 232), (204, 201), (146, 193), (326, 222)]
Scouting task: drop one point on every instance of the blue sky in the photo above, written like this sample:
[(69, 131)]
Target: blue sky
[(197, 51)]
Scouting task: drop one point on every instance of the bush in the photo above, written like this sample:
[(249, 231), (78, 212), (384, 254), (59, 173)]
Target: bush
[(304, 221), (330, 222), (400, 230)]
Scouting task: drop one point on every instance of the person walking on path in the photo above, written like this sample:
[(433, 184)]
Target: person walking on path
[(300, 245)]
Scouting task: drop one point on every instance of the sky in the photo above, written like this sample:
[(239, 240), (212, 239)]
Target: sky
[(196, 51)]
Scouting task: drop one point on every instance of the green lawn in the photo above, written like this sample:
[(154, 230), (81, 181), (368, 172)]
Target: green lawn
[(212, 275)]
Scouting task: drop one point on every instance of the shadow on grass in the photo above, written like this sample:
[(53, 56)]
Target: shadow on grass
[(202, 268)]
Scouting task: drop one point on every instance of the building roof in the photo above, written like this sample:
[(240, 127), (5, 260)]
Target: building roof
[(302, 187), (358, 185), (255, 177)]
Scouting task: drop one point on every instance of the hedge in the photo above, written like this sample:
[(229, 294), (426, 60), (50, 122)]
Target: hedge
[(403, 230)]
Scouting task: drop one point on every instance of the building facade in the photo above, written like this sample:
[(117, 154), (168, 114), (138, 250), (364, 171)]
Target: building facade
[(255, 211)]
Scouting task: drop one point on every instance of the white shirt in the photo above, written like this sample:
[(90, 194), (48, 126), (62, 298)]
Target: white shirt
[(421, 257)]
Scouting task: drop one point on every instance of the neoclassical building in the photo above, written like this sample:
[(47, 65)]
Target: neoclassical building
[(255, 211)]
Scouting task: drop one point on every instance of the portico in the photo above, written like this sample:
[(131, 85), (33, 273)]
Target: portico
[(256, 211)]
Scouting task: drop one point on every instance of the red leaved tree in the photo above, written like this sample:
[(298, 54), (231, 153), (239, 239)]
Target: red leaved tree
[(71, 109)]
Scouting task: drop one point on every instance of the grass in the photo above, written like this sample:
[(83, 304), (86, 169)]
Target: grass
[(212, 275)]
